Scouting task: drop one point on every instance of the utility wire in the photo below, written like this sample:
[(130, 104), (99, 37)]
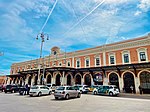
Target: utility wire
[(48, 16), (78, 20), (85, 16)]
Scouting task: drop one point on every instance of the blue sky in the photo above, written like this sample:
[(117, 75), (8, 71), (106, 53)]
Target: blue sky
[(111, 21)]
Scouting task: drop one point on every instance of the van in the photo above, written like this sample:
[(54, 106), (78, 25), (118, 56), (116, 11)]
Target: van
[(111, 90)]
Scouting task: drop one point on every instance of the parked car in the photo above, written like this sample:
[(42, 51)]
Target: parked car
[(111, 90), (95, 90), (52, 86), (82, 88), (2, 87), (39, 90), (66, 92), (92, 87), (22, 91), (11, 88)]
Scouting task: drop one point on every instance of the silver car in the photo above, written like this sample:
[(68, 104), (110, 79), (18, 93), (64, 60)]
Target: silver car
[(66, 92), (39, 90)]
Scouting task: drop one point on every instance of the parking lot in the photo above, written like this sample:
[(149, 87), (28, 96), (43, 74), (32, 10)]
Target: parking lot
[(16, 103)]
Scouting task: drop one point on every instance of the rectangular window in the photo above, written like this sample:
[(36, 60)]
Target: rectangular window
[(126, 58), (78, 63), (142, 56), (87, 62), (97, 62), (112, 60)]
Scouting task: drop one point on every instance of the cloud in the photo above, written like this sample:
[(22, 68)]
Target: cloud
[(144, 5)]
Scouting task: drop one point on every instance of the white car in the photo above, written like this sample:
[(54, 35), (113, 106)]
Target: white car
[(82, 88), (95, 90), (39, 90)]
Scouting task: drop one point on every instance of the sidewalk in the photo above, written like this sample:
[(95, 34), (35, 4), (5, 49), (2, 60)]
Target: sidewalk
[(129, 95)]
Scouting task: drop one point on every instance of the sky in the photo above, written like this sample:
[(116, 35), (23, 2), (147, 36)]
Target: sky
[(70, 24)]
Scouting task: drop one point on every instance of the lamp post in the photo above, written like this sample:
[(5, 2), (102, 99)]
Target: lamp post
[(42, 36)]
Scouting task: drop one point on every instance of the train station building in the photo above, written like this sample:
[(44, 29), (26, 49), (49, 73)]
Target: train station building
[(125, 64)]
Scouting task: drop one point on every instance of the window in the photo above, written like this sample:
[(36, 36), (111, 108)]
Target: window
[(87, 62), (60, 64), (142, 56), (112, 60), (78, 63), (126, 58), (97, 61), (68, 64)]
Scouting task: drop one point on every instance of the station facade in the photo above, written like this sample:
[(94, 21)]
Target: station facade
[(124, 64)]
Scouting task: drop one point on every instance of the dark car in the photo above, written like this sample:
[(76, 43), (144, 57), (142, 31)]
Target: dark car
[(0, 87), (22, 91), (11, 88)]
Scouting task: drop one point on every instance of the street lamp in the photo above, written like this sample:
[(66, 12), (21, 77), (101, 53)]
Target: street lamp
[(42, 36)]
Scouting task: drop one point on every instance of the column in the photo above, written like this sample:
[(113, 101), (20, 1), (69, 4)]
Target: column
[(105, 81), (82, 81), (121, 85), (63, 78), (137, 83), (104, 58)]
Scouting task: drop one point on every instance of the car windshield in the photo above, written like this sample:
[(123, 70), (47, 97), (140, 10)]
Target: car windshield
[(34, 87), (61, 88)]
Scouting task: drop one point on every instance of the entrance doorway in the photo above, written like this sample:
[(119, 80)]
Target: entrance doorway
[(145, 81), (128, 82), (98, 79), (58, 83), (69, 79), (49, 79), (113, 79), (29, 80), (78, 79), (87, 80), (35, 80)]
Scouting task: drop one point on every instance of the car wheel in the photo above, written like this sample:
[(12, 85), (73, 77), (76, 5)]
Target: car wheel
[(56, 98), (39, 94), (79, 95), (67, 97), (95, 92), (50, 93), (110, 93), (13, 91), (5, 91)]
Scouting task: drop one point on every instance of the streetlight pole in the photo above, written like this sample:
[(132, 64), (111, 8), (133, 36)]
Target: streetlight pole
[(42, 36)]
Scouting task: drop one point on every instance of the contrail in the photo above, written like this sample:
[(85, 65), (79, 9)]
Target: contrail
[(48, 16), (85, 16)]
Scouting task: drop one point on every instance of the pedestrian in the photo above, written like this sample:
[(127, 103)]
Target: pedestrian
[(140, 89), (131, 87)]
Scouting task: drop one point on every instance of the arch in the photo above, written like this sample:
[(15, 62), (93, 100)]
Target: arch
[(48, 78), (113, 79), (87, 79), (98, 78), (69, 79), (144, 77), (58, 80), (78, 78), (21, 81), (129, 81)]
